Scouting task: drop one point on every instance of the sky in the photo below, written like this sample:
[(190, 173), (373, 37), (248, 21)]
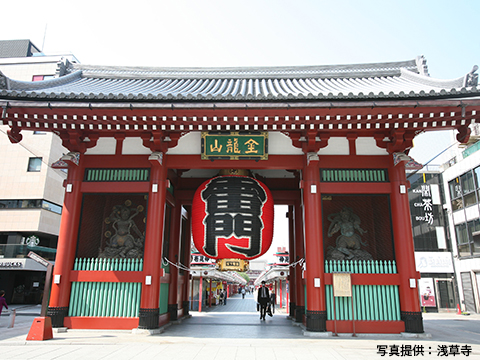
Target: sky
[(210, 33)]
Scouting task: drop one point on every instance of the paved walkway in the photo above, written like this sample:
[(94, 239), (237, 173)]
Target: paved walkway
[(233, 331)]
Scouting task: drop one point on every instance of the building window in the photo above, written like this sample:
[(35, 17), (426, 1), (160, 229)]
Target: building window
[(468, 238), (465, 189), (31, 204), (34, 164), (456, 194), (42, 77)]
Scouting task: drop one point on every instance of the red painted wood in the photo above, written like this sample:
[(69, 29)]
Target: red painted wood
[(367, 327), (116, 187), (291, 162), (115, 161), (174, 252), (107, 276), (403, 240), (104, 323), (292, 256), (356, 188), (67, 238), (153, 244), (314, 256), (299, 254), (368, 279), (163, 319), (355, 162)]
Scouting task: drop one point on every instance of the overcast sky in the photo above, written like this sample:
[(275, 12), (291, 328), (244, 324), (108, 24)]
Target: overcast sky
[(211, 33)]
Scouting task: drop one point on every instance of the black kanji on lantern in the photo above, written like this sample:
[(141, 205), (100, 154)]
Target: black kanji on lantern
[(234, 207)]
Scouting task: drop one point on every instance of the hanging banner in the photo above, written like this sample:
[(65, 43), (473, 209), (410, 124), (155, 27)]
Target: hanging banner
[(232, 217), (427, 292)]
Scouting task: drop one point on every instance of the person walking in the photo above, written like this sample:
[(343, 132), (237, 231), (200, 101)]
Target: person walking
[(263, 298), (3, 302), (243, 293)]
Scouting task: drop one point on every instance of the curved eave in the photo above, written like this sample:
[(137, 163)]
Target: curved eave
[(461, 93)]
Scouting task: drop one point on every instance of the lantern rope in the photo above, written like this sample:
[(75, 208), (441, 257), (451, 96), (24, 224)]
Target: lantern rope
[(179, 265), (299, 262)]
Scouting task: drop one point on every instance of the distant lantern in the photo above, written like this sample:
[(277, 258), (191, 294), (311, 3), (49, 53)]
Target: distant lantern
[(232, 217)]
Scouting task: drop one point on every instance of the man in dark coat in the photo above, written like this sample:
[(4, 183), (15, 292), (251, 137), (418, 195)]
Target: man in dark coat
[(263, 298)]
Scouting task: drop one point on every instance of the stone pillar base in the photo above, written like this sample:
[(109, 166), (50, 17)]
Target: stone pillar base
[(413, 321), (316, 320), (57, 314), (148, 318)]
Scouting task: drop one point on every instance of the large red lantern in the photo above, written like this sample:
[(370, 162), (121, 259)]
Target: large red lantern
[(232, 217)]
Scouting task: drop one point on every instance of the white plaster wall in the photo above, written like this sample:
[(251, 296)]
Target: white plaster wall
[(105, 146), (368, 146), (281, 144), (134, 146), (336, 146), (188, 144)]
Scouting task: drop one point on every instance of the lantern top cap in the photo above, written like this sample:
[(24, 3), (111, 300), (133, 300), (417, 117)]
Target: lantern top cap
[(243, 172)]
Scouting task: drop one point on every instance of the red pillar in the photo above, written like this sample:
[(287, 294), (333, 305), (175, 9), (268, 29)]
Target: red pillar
[(281, 295), (316, 314), (188, 249), (149, 304), (173, 253), (67, 245), (291, 256), (200, 294), (299, 254), (404, 251)]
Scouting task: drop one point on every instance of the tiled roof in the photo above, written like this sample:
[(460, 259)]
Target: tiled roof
[(395, 80)]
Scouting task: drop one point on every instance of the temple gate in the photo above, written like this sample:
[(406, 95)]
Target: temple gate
[(142, 140)]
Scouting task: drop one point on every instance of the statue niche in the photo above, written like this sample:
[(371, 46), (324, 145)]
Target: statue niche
[(348, 243), (127, 240)]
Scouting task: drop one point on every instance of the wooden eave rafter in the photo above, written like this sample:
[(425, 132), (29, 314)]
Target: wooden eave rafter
[(295, 117), (394, 124)]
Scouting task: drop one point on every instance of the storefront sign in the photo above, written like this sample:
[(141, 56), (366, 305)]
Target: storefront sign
[(426, 204), (11, 264), (434, 262), (427, 292), (235, 145), (232, 218)]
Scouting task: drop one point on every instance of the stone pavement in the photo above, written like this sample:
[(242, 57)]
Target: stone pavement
[(234, 331)]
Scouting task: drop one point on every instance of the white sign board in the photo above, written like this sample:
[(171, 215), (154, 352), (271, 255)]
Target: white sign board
[(434, 262)]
